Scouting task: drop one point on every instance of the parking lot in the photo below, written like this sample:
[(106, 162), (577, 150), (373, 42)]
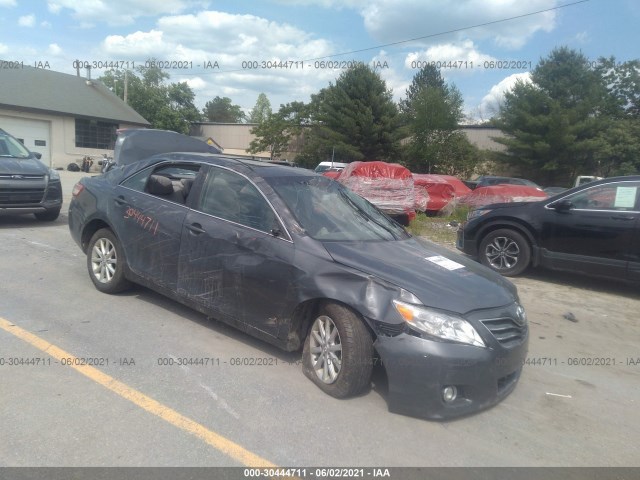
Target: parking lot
[(144, 401)]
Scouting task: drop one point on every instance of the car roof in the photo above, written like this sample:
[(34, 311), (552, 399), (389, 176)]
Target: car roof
[(263, 169)]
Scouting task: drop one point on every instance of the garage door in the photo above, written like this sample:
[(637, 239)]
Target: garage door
[(34, 134)]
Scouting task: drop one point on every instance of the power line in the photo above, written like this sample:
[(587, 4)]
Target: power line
[(432, 35), (449, 31)]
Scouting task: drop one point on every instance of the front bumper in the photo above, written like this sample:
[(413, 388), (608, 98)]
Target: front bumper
[(418, 370), (464, 244), (51, 199)]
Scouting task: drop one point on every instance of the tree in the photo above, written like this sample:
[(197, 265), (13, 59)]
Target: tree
[(555, 123), (261, 110), (431, 112), (167, 106), (427, 77), (275, 133), (354, 119), (222, 110)]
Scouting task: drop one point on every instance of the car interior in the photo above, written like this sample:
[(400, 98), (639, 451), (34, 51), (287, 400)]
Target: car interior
[(172, 190)]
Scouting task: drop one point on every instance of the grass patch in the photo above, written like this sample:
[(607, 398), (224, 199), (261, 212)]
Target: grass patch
[(438, 229)]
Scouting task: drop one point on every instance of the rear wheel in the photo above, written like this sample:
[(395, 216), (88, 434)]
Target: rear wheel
[(105, 262), (505, 251), (338, 352)]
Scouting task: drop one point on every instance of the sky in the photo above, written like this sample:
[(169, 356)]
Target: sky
[(238, 49)]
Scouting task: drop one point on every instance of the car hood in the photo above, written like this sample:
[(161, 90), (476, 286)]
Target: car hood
[(22, 166), (444, 286)]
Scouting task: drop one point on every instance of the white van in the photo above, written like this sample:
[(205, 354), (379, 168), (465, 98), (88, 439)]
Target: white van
[(323, 166), (585, 179)]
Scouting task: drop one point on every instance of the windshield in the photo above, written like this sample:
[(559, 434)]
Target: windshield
[(330, 212), (10, 147)]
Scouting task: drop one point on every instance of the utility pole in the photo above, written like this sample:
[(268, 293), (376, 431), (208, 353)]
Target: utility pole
[(125, 85)]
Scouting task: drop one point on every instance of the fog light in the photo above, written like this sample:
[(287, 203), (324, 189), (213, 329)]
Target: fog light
[(449, 393)]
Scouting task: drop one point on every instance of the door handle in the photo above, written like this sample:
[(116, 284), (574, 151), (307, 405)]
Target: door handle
[(624, 218), (196, 228), (120, 200)]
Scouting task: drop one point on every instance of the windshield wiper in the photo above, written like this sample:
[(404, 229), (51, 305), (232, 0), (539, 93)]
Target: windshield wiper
[(366, 216)]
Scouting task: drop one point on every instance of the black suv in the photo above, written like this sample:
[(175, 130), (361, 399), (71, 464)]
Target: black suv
[(592, 229), (26, 184)]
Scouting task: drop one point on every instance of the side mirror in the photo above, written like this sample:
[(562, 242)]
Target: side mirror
[(38, 155), (561, 205)]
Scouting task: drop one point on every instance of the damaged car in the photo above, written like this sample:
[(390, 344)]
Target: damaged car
[(300, 261)]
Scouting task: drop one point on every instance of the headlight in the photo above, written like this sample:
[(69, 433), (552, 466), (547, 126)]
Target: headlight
[(438, 324), (53, 175), (476, 213)]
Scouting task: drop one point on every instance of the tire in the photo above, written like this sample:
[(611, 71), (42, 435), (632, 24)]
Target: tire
[(73, 167), (506, 252), (106, 262), (48, 216), (344, 368)]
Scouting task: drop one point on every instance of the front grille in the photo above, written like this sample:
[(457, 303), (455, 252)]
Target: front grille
[(21, 196), (12, 176), (506, 330)]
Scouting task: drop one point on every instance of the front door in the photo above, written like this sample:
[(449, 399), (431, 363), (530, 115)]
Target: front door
[(596, 235), (235, 257)]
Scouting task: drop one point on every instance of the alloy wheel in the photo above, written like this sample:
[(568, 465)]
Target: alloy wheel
[(104, 260), (502, 253), (325, 349)]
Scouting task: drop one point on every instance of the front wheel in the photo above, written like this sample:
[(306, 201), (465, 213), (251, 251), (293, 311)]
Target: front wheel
[(338, 352), (106, 263), (505, 251)]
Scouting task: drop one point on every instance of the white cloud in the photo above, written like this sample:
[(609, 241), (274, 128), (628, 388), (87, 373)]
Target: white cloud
[(196, 83), (582, 37), (492, 101), (8, 3), (141, 44), (230, 40), (27, 20), (450, 58), (3, 49), (45, 24), (117, 12), (54, 49)]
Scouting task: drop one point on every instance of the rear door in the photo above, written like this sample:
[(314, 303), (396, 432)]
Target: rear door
[(149, 222), (235, 256)]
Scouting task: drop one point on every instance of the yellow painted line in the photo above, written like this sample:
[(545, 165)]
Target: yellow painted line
[(145, 402)]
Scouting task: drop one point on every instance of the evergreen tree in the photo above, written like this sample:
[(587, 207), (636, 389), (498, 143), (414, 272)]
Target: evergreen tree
[(431, 113), (558, 124), (261, 110), (355, 119)]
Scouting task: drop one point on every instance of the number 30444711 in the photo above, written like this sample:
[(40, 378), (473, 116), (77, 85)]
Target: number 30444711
[(146, 222)]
